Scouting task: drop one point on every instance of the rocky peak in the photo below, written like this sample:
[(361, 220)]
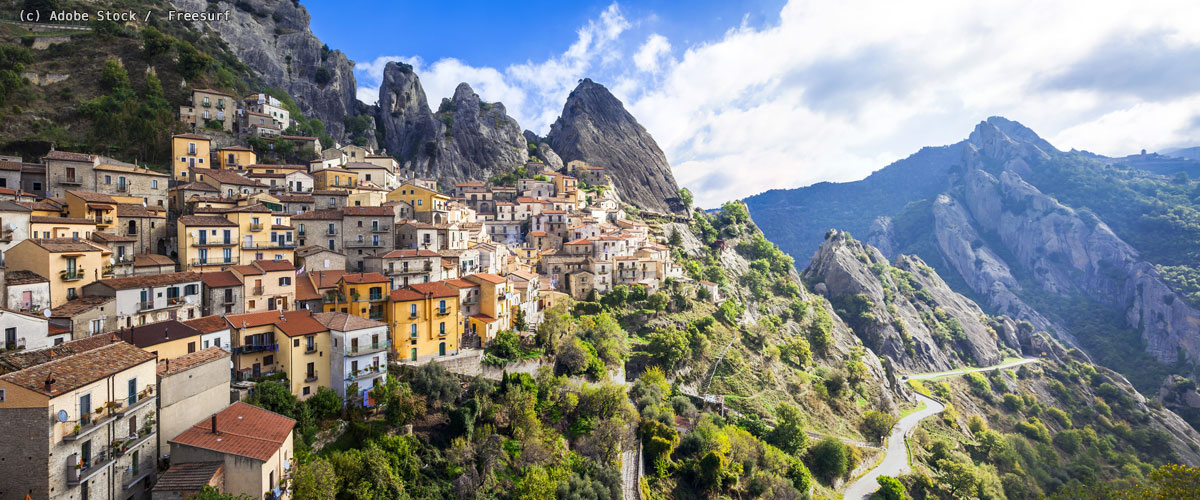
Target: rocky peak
[(274, 38), (596, 128), (903, 310), (999, 137)]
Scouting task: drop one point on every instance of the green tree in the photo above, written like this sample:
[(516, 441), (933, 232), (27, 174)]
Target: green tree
[(192, 62), (667, 346), (432, 380), (788, 434), (154, 42), (729, 312), (114, 77), (735, 212), (877, 425), (274, 396), (326, 403), (685, 197), (657, 301), (315, 480), (891, 488), (506, 345), (829, 459), (210, 493), (402, 406), (961, 478)]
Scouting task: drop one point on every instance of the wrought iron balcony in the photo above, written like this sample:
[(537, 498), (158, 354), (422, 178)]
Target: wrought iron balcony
[(361, 349), (70, 275)]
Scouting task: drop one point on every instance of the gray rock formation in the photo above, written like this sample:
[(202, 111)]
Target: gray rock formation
[(544, 151), (467, 139), (1068, 251), (909, 314), (273, 39), (596, 128)]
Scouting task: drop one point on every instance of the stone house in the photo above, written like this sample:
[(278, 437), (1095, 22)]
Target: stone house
[(207, 106), (151, 298), (222, 295), (86, 316), (329, 199), (14, 224), (317, 258), (319, 228), (123, 179), (367, 231)]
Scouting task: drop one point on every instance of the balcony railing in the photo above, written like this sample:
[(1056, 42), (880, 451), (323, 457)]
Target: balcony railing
[(330, 232), (145, 305), (256, 226), (380, 229), (101, 219), (212, 262), (375, 316), (175, 301), (376, 296), (71, 180), (6, 235), (252, 348), (300, 232), (330, 298), (362, 373), (257, 245), (75, 275), (258, 290), (364, 244), (360, 349), (312, 377), (122, 188), (213, 243)]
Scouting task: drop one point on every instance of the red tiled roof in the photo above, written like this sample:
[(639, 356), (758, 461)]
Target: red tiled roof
[(68, 156), (192, 359), (196, 136), (151, 259), (77, 370), (305, 289), (22, 277), (243, 430), (41, 219), (460, 283), (220, 279), (274, 265), (343, 322), (483, 317), (206, 221), (359, 278), (152, 334), (367, 211), (405, 294), (294, 322), (434, 289), (150, 280), (208, 324), (76, 306), (491, 278), (326, 279)]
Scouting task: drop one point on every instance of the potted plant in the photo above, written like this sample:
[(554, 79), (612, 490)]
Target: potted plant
[(76, 429), (100, 410)]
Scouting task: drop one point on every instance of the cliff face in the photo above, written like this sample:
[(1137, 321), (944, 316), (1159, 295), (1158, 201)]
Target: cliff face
[(467, 139), (596, 128), (905, 312), (273, 38), (1068, 251)]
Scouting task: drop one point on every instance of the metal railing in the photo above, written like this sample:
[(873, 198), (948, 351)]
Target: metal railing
[(75, 275), (258, 290), (267, 245), (145, 305), (251, 348), (311, 377), (208, 262), (362, 373), (213, 243), (256, 226)]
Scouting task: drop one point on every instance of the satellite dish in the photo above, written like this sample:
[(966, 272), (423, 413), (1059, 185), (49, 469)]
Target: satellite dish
[(62, 415), (12, 227), (112, 260), (189, 299), (46, 313)]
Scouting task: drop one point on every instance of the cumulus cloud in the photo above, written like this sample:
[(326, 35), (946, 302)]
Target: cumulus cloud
[(834, 90)]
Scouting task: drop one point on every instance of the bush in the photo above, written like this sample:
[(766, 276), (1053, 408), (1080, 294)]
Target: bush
[(322, 76), (788, 434), (506, 345), (891, 488), (877, 425), (829, 459)]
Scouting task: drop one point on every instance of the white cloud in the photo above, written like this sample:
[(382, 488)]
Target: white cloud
[(647, 58), (834, 90)]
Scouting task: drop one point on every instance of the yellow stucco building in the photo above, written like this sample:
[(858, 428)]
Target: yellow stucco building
[(362, 294), (291, 342), (236, 157), (189, 151), (69, 264), (208, 242), (335, 178), (424, 321)]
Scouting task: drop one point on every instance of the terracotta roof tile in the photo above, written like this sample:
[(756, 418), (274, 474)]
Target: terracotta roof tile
[(326, 279), (402, 254), (21, 277), (206, 221), (275, 265), (229, 177), (20, 360), (102, 237), (490, 278), (76, 306), (132, 210), (92, 196), (343, 322), (152, 334), (359, 278), (41, 219), (62, 245), (68, 156), (434, 289), (305, 289), (220, 279), (192, 359), (405, 294), (294, 322), (368, 211), (208, 324), (242, 430), (190, 477), (461, 283), (150, 280), (151, 259), (78, 370)]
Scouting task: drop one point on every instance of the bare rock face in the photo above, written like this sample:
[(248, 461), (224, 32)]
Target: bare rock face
[(467, 139), (596, 128), (904, 311), (544, 151), (273, 39)]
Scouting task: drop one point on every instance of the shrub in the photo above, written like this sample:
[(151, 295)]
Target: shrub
[(891, 488), (877, 425), (829, 459), (788, 434)]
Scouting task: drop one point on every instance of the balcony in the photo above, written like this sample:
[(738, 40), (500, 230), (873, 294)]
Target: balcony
[(367, 372), (71, 275), (330, 298), (375, 316), (258, 290), (213, 243), (122, 188), (365, 244), (175, 301), (256, 226), (252, 348), (145, 305), (443, 312), (206, 104), (379, 229), (267, 245), (300, 232), (78, 473), (103, 220), (312, 377), (376, 297), (210, 262), (331, 232), (361, 349), (71, 180), (6, 235)]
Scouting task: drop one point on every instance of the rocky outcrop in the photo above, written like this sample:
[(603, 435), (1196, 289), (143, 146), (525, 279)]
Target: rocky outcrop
[(544, 151), (596, 128), (467, 139), (1065, 251), (904, 311), (273, 39)]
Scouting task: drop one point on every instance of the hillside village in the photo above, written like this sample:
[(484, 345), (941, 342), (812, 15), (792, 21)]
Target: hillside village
[(127, 290)]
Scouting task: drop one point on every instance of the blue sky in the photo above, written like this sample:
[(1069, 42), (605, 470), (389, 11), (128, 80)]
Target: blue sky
[(745, 97)]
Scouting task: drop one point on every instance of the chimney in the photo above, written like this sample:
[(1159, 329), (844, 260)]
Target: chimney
[(214, 424), (50, 382)]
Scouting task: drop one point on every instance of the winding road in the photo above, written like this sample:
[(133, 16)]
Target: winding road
[(895, 458)]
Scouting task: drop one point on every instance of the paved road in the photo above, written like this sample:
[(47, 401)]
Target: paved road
[(895, 458), (964, 371)]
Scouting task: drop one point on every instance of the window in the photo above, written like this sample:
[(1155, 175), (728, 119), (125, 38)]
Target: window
[(154, 184), (413, 332), (269, 360), (311, 344), (442, 329), (442, 306), (284, 281), (108, 179), (132, 394)]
